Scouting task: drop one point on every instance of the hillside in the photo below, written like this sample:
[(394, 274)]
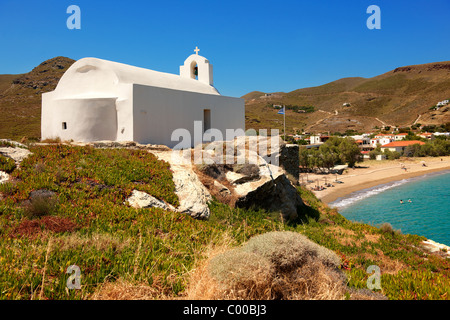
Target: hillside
[(20, 98), (396, 98)]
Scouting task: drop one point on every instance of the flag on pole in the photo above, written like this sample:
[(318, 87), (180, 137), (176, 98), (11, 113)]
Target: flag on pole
[(283, 112)]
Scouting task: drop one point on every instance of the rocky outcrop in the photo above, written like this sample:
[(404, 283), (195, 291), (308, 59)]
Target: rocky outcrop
[(239, 178), (437, 248), (258, 183), (289, 160), (17, 154), (13, 144), (272, 192)]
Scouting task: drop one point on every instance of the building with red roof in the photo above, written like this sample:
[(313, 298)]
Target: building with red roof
[(400, 146)]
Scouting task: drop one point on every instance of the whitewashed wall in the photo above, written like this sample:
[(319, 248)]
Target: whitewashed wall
[(159, 111)]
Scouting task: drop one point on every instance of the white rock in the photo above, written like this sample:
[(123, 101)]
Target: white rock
[(233, 176), (192, 194), (17, 154), (3, 177), (15, 143), (139, 199), (433, 246)]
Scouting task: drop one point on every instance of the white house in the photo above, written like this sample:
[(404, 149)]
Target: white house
[(443, 103), (426, 135), (382, 141), (362, 139), (400, 136), (318, 139), (103, 100), (385, 136)]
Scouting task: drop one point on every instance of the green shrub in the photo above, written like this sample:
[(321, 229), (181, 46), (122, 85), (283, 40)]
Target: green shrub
[(6, 144), (6, 164), (388, 229), (40, 206), (7, 188), (392, 155)]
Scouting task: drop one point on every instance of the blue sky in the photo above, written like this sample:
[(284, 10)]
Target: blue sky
[(254, 45)]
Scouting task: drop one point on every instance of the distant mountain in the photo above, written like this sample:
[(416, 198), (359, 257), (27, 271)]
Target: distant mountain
[(20, 98), (399, 97)]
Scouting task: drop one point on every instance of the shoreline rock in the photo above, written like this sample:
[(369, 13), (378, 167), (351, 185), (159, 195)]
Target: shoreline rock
[(435, 247)]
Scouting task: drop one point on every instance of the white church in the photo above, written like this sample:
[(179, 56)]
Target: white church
[(103, 100)]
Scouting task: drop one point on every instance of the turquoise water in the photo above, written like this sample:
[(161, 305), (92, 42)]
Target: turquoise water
[(428, 213)]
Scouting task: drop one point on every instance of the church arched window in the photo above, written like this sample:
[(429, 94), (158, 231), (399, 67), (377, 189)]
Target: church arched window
[(194, 70)]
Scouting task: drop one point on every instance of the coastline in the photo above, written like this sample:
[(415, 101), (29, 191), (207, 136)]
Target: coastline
[(373, 173)]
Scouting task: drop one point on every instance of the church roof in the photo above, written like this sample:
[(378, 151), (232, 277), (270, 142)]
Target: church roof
[(97, 75)]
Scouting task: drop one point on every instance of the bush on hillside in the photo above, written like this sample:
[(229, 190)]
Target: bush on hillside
[(40, 205), (289, 250), (388, 229)]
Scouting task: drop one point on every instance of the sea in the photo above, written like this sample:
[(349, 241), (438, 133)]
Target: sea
[(425, 209)]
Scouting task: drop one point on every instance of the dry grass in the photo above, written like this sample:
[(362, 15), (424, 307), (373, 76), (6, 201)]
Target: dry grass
[(388, 265), (365, 294), (126, 289), (123, 289), (275, 265), (97, 241), (238, 285), (208, 182), (49, 248)]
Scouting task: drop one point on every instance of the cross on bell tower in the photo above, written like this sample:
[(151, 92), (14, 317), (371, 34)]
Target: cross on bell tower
[(196, 50)]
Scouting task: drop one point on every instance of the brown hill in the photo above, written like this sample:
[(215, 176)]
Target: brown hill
[(396, 98), (20, 98)]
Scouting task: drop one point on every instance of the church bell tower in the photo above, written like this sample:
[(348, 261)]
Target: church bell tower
[(197, 68)]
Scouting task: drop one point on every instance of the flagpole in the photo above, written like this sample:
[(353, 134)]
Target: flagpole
[(284, 116)]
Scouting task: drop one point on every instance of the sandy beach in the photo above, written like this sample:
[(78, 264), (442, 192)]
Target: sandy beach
[(371, 173)]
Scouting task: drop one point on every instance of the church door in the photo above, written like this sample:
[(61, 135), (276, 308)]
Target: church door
[(206, 120)]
